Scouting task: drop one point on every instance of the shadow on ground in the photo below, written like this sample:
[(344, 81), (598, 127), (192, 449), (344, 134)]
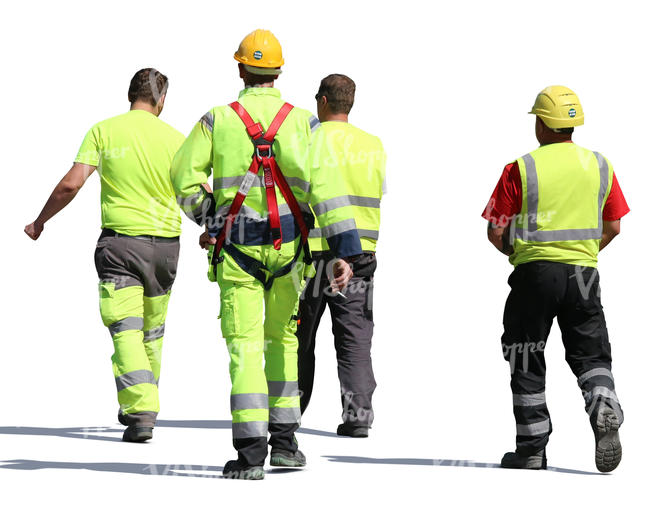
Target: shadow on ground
[(98, 432), (122, 468), (439, 463)]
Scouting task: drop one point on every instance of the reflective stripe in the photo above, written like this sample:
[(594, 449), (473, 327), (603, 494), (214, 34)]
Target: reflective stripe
[(155, 333), (594, 372), (336, 228), (129, 323), (344, 201), (208, 120), (141, 376), (284, 415), (228, 182), (317, 233), (370, 234), (248, 401), (314, 123), (252, 429), (189, 203), (536, 428), (531, 234), (600, 391), (283, 389), (250, 213), (532, 191), (529, 399)]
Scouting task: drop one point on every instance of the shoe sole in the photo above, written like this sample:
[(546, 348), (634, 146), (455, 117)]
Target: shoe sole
[(282, 461), (352, 434), (142, 437), (246, 475), (608, 444)]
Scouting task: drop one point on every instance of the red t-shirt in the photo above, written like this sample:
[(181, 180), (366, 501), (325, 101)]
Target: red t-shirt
[(506, 199)]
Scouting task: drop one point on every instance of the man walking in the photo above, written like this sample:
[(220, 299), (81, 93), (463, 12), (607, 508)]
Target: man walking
[(358, 160), (552, 212), (258, 220), (137, 251)]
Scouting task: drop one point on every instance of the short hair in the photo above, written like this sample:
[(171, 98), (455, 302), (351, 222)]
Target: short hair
[(564, 130), (148, 85), (339, 90)]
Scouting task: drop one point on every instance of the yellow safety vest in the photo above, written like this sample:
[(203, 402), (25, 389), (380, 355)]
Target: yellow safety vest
[(564, 190)]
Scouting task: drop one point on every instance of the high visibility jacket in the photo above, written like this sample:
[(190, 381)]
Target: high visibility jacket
[(359, 160), (564, 190), (219, 144)]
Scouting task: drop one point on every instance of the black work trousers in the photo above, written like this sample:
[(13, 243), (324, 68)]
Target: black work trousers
[(540, 292), (352, 326)]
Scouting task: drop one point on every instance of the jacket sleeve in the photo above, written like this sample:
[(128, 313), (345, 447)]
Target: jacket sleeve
[(330, 202), (191, 168)]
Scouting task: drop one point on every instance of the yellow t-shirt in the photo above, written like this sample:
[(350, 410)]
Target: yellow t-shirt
[(133, 154)]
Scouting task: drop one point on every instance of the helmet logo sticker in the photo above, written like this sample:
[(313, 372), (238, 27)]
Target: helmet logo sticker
[(572, 112), (258, 56)]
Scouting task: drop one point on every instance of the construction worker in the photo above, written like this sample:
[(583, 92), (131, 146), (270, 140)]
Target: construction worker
[(258, 222), (358, 159), (552, 212), (137, 251)]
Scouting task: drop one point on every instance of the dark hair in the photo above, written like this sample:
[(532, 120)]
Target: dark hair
[(565, 130), (339, 90), (148, 85)]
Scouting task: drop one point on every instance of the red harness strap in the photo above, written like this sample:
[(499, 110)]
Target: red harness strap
[(263, 156)]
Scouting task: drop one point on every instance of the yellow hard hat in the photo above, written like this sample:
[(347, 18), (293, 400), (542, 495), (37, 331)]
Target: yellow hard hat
[(558, 107), (260, 49)]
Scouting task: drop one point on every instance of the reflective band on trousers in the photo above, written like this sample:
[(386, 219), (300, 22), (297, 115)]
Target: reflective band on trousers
[(599, 390), (155, 333), (536, 428), (129, 323), (529, 399), (344, 201), (141, 376), (228, 182), (252, 429), (594, 372), (532, 196), (248, 401), (284, 415), (283, 389)]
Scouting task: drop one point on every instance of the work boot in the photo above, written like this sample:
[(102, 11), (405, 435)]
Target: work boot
[(280, 458), (235, 469), (137, 434), (605, 424), (535, 461), (349, 430)]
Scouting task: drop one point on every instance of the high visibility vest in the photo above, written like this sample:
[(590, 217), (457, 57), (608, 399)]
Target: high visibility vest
[(564, 190), (358, 158)]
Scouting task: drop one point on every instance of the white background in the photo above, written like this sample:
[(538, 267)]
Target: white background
[(446, 86)]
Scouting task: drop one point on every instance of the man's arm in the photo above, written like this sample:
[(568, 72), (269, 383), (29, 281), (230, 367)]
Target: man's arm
[(191, 169), (63, 194), (499, 236), (610, 230)]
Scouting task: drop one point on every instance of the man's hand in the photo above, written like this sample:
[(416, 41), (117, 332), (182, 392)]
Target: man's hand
[(342, 273), (34, 230), (205, 241), (499, 236)]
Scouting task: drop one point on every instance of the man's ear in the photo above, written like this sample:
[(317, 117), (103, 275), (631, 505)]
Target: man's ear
[(161, 103)]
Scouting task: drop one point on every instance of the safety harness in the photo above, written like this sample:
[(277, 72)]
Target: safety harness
[(264, 157)]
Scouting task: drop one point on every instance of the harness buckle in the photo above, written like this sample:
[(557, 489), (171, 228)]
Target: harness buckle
[(255, 131)]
